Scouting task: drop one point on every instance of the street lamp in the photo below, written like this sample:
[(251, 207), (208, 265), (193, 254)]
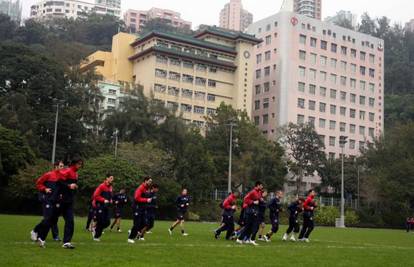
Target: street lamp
[(231, 124), (115, 136), (342, 142), (56, 127)]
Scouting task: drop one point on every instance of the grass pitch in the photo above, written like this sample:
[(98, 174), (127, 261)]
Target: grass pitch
[(328, 247)]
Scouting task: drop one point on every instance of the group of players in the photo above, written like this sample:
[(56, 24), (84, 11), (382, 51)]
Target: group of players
[(57, 192), (252, 216)]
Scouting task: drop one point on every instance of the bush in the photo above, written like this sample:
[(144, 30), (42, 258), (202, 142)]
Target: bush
[(328, 214), (351, 218)]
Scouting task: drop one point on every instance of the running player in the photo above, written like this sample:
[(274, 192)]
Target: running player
[(274, 209), (308, 224), (91, 221), (119, 201), (101, 199), (227, 221), (139, 209), (294, 209), (182, 202), (261, 217), (151, 209), (48, 195), (251, 205)]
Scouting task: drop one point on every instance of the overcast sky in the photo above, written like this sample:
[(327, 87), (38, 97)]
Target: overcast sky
[(207, 11)]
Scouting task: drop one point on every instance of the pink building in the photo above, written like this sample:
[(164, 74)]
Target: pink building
[(135, 19), (234, 17), (311, 71), (310, 8)]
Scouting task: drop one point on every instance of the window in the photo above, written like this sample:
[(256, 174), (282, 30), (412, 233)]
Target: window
[(353, 98), (311, 121), (371, 102), (371, 132), (301, 87), (351, 144), (352, 128), (200, 81), (353, 83), (362, 85), (301, 103), (322, 123), (343, 80), (371, 58), (362, 115), (256, 120), (268, 39), (258, 89), (174, 76), (332, 125), (301, 119), (312, 74), (343, 96), (257, 104), (362, 100), (371, 116), (323, 76), (333, 93), (362, 70), (268, 27), (342, 111), (333, 78), (212, 83), (201, 67), (343, 65), (267, 55), (302, 39), (162, 59), (312, 105), (342, 126), (258, 58), (199, 96), (313, 42), (352, 113), (353, 68), (188, 64), (302, 71), (371, 73), (322, 91), (258, 74), (334, 47), (333, 63), (372, 87), (353, 53), (322, 107), (312, 89), (331, 155), (111, 100), (266, 103), (266, 87), (362, 56), (323, 61), (302, 55), (186, 108), (361, 145), (160, 73), (266, 71), (172, 105), (174, 91), (186, 93), (175, 62), (362, 130), (188, 78), (324, 45), (333, 109), (343, 50), (112, 92), (199, 110), (332, 141), (313, 58)]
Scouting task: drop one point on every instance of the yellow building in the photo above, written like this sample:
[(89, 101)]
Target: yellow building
[(192, 74)]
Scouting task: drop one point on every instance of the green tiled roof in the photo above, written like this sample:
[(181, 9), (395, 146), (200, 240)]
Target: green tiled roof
[(229, 34), (185, 39)]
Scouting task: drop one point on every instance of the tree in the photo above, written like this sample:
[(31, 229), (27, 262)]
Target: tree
[(15, 154), (304, 149), (367, 25), (163, 25)]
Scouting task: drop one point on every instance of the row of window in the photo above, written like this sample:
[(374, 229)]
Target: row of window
[(267, 56), (189, 108), (266, 71), (333, 94), (184, 78), (333, 77), (185, 93), (333, 109), (334, 125), (186, 64), (334, 48)]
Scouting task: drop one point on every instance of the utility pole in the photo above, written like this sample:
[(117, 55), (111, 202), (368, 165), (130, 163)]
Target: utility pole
[(116, 143), (55, 134), (231, 124), (342, 142)]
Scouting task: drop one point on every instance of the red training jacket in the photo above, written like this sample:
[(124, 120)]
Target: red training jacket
[(309, 204), (49, 177), (70, 173), (102, 192), (229, 201), (255, 194), (138, 193)]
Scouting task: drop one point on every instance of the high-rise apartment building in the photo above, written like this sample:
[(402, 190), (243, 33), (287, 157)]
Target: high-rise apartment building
[(46, 9), (136, 19), (11, 8), (309, 71), (190, 74), (309, 8), (343, 16), (234, 17)]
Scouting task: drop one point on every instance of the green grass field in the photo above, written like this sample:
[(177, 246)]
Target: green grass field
[(329, 247)]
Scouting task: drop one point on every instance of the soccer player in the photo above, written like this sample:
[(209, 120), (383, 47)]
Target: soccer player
[(48, 195), (261, 217), (67, 189), (119, 200), (227, 221), (151, 209), (274, 209), (308, 224), (101, 199), (251, 206), (294, 209), (138, 208), (182, 202)]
